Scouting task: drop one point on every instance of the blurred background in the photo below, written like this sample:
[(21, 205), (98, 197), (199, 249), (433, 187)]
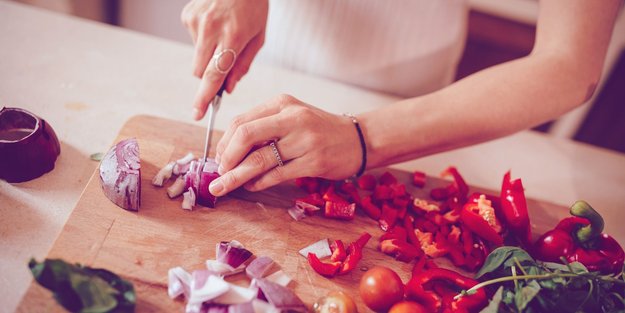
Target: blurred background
[(499, 30)]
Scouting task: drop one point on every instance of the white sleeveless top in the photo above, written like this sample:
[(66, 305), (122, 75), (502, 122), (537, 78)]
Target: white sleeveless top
[(402, 47)]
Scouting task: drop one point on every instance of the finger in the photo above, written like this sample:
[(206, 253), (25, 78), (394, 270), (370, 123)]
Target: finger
[(268, 108), (244, 61), (205, 47), (190, 21), (255, 164), (291, 170), (248, 135)]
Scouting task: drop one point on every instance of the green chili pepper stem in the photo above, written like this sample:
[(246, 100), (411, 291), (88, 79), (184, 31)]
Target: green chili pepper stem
[(589, 232)]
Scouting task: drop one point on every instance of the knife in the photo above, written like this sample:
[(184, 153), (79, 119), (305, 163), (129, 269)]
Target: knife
[(212, 111)]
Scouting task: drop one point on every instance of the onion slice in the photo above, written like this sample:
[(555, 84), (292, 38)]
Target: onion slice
[(279, 296), (28, 145), (188, 201), (163, 174), (280, 278), (120, 175), (232, 253), (177, 188), (179, 282), (259, 267), (321, 248)]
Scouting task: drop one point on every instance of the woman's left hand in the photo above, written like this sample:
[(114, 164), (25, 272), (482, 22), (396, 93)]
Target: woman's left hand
[(310, 142)]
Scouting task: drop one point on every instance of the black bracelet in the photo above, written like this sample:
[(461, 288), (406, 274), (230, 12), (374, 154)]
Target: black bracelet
[(363, 146)]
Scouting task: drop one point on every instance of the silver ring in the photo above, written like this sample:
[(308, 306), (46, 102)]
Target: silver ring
[(217, 58), (276, 153)]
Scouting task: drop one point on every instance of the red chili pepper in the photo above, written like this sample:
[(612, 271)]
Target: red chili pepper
[(417, 289), (396, 232), (362, 240), (479, 224), (494, 200), (418, 179), (340, 210), (409, 226), (382, 192), (330, 195), (387, 179), (580, 238), (338, 251), (322, 268), (309, 184), (457, 188), (370, 209), (514, 209), (367, 182)]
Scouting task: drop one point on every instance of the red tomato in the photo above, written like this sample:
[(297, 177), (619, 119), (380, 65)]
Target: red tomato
[(408, 307), (380, 288)]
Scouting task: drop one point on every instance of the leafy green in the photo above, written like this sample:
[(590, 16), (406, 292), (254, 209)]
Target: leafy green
[(84, 289), (525, 285)]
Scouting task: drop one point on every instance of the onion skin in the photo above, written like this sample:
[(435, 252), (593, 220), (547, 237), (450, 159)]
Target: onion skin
[(120, 175), (32, 156)]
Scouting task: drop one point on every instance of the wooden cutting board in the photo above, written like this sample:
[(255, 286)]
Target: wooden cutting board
[(143, 246)]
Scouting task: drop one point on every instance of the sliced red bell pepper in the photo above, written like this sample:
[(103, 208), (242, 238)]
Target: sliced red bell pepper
[(409, 226), (416, 290), (457, 188), (396, 232), (479, 224), (338, 251), (514, 209), (382, 192), (388, 218), (401, 250), (330, 195), (369, 208), (418, 179), (367, 182), (397, 190), (362, 240), (340, 210), (387, 179), (354, 255), (322, 268)]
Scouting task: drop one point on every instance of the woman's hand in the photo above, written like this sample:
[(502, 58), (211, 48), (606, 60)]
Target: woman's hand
[(310, 142), (218, 25)]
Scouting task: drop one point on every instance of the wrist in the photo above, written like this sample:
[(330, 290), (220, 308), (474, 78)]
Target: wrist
[(362, 143)]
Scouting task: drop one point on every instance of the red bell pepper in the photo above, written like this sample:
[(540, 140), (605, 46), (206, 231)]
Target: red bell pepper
[(370, 209), (401, 250), (367, 182), (419, 288), (481, 219), (340, 210), (458, 187), (580, 238), (388, 218), (322, 268), (396, 232), (309, 184), (387, 179), (354, 255), (382, 192), (514, 209), (362, 240), (418, 179), (338, 251)]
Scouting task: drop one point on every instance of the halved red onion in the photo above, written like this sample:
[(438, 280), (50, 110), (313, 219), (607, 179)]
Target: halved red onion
[(259, 267), (28, 145), (200, 178), (232, 253), (279, 296), (120, 175)]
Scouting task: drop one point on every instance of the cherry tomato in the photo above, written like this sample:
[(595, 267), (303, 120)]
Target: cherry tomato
[(335, 302), (380, 288), (408, 307)]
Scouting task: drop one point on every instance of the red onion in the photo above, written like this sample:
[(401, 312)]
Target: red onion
[(28, 145), (232, 253), (281, 297), (259, 267), (120, 175), (199, 179)]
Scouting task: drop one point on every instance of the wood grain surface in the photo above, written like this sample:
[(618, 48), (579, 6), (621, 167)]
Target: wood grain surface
[(142, 246)]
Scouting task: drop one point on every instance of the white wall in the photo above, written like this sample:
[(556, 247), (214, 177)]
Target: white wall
[(156, 17)]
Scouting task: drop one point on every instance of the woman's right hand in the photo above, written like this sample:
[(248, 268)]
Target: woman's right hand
[(217, 25)]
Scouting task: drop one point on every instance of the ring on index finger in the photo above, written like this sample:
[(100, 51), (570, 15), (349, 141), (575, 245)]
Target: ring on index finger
[(217, 57), (276, 153)]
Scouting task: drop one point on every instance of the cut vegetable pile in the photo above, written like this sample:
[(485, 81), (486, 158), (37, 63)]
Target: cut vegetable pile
[(207, 290)]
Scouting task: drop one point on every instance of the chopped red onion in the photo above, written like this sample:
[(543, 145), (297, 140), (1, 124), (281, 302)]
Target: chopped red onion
[(321, 248), (188, 201), (237, 295), (223, 269), (179, 282), (200, 179), (120, 175), (279, 296), (259, 267), (306, 207), (261, 306), (28, 145), (181, 169), (246, 307), (280, 278), (163, 174), (297, 213), (177, 188), (186, 159), (232, 253), (207, 290), (214, 308)]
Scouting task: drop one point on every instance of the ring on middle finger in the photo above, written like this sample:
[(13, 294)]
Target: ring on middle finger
[(217, 60), (276, 153)]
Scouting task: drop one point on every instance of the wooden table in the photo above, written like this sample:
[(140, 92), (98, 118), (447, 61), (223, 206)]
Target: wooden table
[(87, 79)]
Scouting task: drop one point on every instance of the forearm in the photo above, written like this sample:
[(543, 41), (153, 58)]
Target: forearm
[(492, 103)]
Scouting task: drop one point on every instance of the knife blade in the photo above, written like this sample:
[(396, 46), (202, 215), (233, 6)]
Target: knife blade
[(212, 111)]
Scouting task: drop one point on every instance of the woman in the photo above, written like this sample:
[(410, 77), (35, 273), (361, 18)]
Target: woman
[(560, 73)]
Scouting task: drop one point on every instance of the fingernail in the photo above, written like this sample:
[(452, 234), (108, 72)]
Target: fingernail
[(217, 158), (216, 187)]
